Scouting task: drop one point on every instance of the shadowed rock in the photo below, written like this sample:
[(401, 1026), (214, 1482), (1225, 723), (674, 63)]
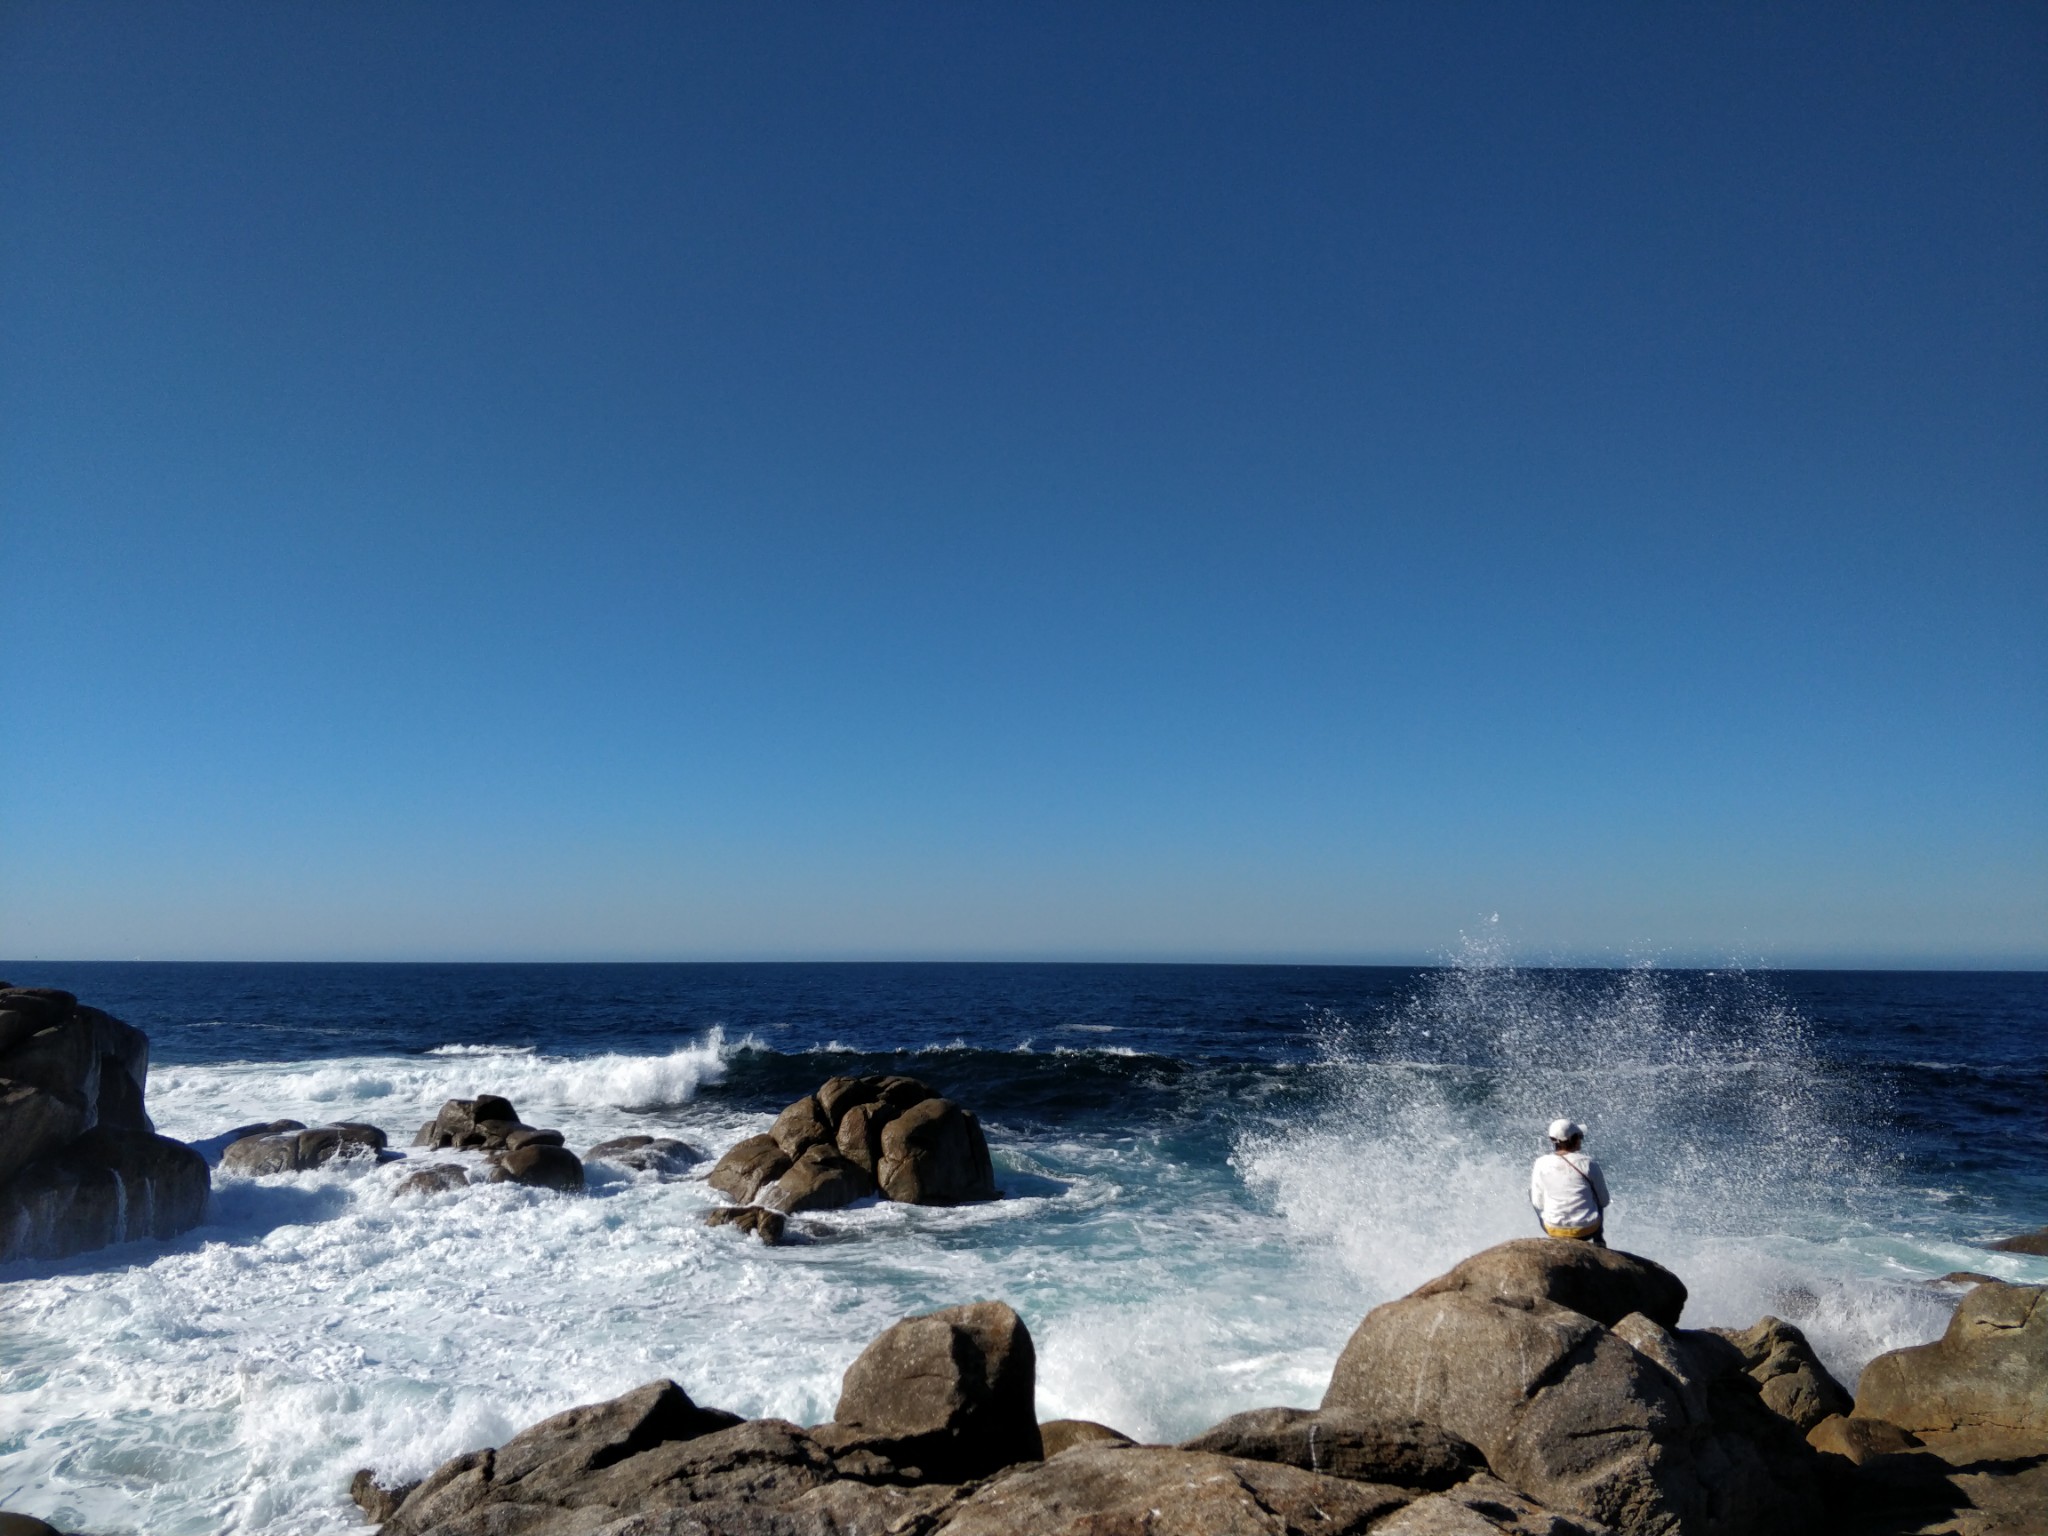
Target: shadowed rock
[(951, 1392), (933, 1154), (1789, 1374), (764, 1224), (1406, 1453), (820, 1180), (541, 1165)]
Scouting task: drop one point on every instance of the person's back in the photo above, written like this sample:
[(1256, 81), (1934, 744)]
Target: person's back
[(1567, 1187)]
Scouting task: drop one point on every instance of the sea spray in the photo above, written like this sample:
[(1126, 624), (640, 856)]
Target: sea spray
[(1738, 1156)]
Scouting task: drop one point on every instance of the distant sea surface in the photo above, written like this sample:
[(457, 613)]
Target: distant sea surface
[(1211, 1172)]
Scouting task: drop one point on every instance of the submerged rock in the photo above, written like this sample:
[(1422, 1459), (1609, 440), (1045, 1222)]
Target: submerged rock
[(646, 1154), (436, 1179), (765, 1224), (295, 1150), (542, 1165)]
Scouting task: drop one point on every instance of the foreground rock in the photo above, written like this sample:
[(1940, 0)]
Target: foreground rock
[(1563, 1365), (81, 1165), (861, 1136), (1447, 1410)]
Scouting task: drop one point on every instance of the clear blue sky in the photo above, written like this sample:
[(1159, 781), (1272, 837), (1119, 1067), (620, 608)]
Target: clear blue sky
[(1149, 481)]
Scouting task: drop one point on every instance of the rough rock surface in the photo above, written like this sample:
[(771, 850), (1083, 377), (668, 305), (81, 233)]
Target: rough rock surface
[(859, 1136), (743, 1171), (1064, 1434), (543, 1165), (484, 1123), (950, 1392), (1989, 1371), (659, 1155), (436, 1179), (296, 1149), (765, 1224), (1406, 1453), (1794, 1384), (81, 1165), (1108, 1490), (1604, 1413)]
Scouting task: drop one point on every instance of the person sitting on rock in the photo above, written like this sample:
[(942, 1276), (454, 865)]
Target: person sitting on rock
[(1567, 1187)]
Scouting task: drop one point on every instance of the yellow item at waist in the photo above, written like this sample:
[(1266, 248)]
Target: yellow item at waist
[(1580, 1232)]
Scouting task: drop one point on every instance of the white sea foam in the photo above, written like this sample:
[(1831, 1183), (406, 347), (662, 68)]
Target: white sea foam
[(231, 1380)]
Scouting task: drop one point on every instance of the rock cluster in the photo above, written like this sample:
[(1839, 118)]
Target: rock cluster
[(1539, 1388), (81, 1165), (861, 1136), (516, 1151)]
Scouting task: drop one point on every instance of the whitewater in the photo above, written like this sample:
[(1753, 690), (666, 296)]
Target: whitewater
[(1197, 1213)]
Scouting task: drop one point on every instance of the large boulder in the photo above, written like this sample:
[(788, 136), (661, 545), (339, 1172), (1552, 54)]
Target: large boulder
[(1987, 1372), (933, 1154), (1545, 1356), (950, 1392), (104, 1187), (1109, 1490), (81, 1165), (1406, 1453)]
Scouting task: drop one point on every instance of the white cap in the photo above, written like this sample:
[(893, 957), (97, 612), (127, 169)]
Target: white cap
[(1566, 1130)]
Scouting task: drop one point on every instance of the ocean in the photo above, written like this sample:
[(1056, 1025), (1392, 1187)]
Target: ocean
[(1211, 1173)]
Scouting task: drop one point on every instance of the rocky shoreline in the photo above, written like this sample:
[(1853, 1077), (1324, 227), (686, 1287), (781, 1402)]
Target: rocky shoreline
[(1536, 1387), (1539, 1388)]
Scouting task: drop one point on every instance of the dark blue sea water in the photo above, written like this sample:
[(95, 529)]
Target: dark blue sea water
[(1225, 1164)]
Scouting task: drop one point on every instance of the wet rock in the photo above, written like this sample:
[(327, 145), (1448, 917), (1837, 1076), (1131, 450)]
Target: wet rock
[(765, 1224), (1406, 1453), (295, 1151), (841, 1094), (1633, 1424), (1108, 1490), (25, 1525), (801, 1126), (646, 1154), (933, 1154), (951, 1392), (103, 1187), (1962, 1277), (2035, 1242), (859, 1138), (35, 1121), (820, 1180), (436, 1179), (542, 1166), (375, 1500), (268, 1128), (533, 1136), (1795, 1385), (749, 1165), (1988, 1371), (481, 1123), (1064, 1434)]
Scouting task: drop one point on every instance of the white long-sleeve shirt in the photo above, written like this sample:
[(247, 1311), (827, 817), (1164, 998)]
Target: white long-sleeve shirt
[(1568, 1189)]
